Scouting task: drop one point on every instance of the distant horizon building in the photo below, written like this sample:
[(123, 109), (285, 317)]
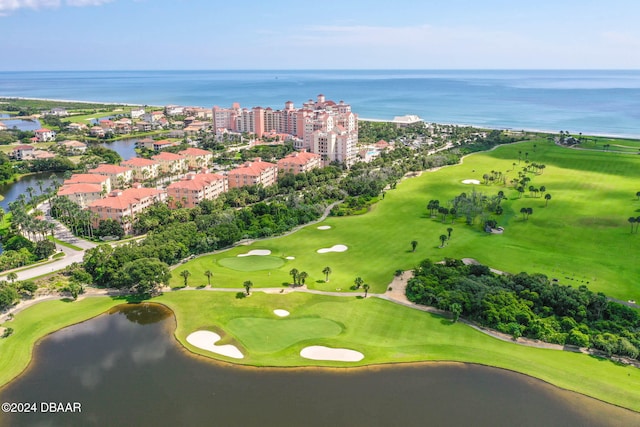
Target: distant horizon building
[(322, 126)]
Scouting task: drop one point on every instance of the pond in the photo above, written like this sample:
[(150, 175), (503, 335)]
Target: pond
[(125, 147), (13, 190), (23, 125), (125, 368)]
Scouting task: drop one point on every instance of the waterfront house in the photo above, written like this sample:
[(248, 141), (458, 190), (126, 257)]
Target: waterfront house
[(82, 194), (299, 161), (253, 173), (76, 127), (45, 135), (22, 152), (97, 131), (194, 188), (73, 146)]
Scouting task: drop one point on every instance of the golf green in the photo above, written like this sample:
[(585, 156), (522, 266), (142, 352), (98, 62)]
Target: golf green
[(252, 263)]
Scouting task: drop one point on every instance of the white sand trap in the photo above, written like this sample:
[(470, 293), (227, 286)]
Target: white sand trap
[(281, 313), (257, 252), (291, 257), (471, 181), (318, 352), (324, 227), (206, 340), (334, 248)]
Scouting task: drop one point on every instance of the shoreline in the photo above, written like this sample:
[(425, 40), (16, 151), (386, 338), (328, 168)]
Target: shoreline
[(364, 119)]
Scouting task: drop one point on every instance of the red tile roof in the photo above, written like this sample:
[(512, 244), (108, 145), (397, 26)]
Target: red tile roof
[(198, 181), (138, 162), (299, 157), (254, 168), (67, 190), (109, 169), (194, 152), (167, 157), (126, 198)]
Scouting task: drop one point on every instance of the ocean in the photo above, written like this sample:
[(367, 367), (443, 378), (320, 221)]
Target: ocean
[(597, 102)]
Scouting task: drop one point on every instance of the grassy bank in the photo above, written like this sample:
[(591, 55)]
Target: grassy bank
[(383, 331)]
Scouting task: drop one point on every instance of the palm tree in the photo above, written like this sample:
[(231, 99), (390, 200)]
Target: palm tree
[(443, 238), (294, 273), (208, 273), (523, 211), (12, 277), (366, 289), (632, 221), (456, 310), (414, 244), (547, 197), (326, 271), (529, 212), (449, 230), (302, 277), (30, 191), (185, 275), (248, 284), (638, 195), (358, 282)]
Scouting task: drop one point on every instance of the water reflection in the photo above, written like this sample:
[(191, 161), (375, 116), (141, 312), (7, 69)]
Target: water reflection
[(126, 369)]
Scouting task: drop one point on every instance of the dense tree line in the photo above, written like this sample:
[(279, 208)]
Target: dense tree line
[(528, 305)]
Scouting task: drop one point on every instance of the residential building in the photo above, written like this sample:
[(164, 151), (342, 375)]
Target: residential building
[(82, 194), (45, 135), (153, 116), (42, 155), (197, 158), (22, 152), (299, 161), (58, 111), (120, 176), (171, 163), (124, 205), (73, 146), (143, 169), (77, 127), (2, 127), (89, 178), (194, 188), (159, 145), (253, 173), (137, 112)]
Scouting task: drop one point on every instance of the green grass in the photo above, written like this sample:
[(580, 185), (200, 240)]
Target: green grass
[(65, 244), (384, 332), (251, 263), (582, 237)]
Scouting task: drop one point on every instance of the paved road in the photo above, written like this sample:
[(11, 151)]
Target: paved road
[(71, 255)]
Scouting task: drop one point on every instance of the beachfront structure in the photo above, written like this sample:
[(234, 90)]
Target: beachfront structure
[(299, 161), (170, 163), (120, 176), (45, 135), (253, 173), (82, 194), (404, 121), (322, 126), (22, 152), (88, 178), (137, 112), (143, 169), (194, 188), (124, 205), (197, 158)]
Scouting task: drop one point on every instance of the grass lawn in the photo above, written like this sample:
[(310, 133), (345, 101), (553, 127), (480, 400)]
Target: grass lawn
[(65, 244), (581, 238), (384, 332), (251, 263)]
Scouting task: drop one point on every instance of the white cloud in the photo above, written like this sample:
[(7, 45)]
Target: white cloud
[(7, 6)]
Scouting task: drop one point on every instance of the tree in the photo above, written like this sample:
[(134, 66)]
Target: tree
[(449, 230), (294, 274), (359, 282), (208, 273), (302, 277), (547, 197), (443, 238), (529, 212), (248, 284), (8, 296), (456, 310), (326, 271), (523, 211), (414, 244), (185, 275), (638, 195), (365, 287), (144, 275), (632, 221), (12, 277)]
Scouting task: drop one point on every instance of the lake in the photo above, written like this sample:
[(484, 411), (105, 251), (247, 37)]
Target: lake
[(125, 147), (12, 191), (125, 368)]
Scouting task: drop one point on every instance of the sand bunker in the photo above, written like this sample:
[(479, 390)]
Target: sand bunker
[(318, 352), (281, 313), (334, 248), (206, 340), (257, 252), (471, 181), (291, 257), (324, 227)]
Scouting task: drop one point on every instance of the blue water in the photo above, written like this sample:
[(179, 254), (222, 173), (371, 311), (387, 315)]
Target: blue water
[(587, 101)]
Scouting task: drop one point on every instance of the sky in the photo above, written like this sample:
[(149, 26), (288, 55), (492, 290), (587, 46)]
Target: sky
[(47, 35)]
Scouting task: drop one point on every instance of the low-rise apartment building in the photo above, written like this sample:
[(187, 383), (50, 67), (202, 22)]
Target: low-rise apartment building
[(121, 176), (195, 188), (299, 161), (253, 173)]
